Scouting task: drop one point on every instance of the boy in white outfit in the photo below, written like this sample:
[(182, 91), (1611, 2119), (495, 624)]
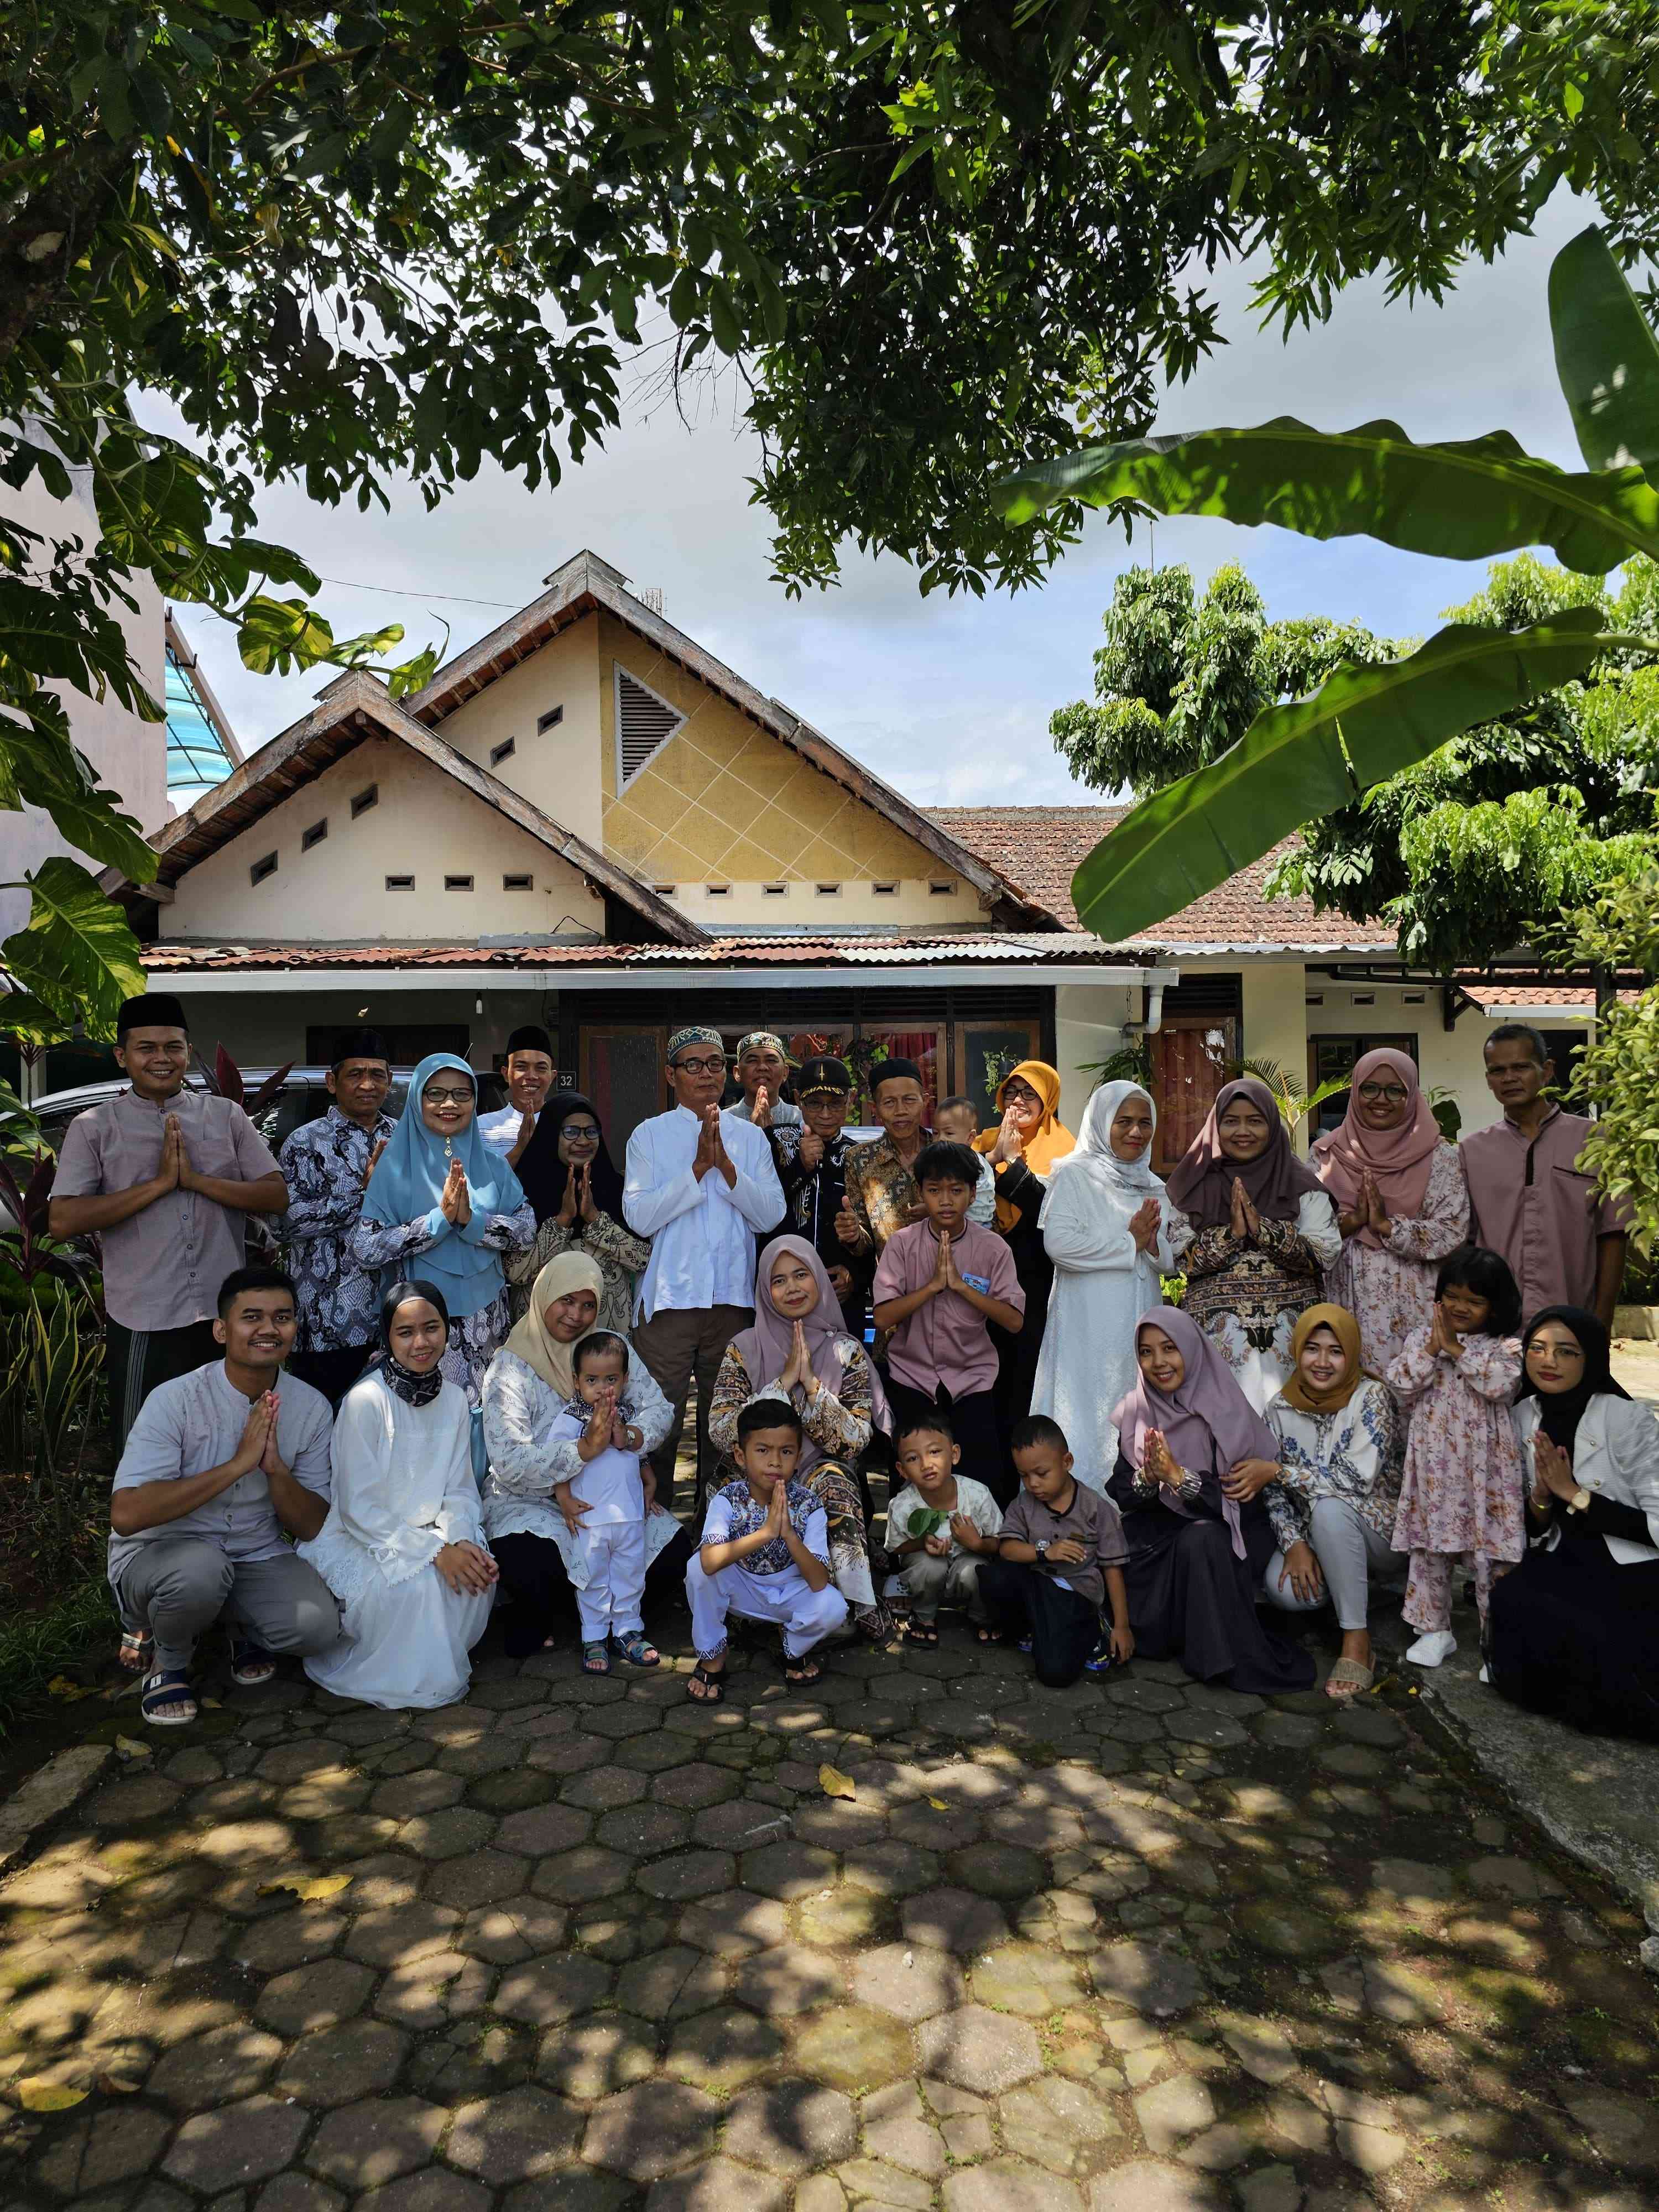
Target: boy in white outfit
[(608, 1564), (765, 1555), (938, 1560)]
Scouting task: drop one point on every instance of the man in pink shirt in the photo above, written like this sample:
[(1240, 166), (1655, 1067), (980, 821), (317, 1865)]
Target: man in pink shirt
[(937, 1285), (1530, 1199)]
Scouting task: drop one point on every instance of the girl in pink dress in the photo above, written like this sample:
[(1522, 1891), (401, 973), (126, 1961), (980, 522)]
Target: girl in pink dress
[(1463, 1483)]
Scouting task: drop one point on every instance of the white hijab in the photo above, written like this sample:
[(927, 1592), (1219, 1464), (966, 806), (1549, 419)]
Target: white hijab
[(1129, 1181)]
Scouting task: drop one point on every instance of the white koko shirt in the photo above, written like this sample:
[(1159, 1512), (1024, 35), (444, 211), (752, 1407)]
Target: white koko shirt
[(702, 1234)]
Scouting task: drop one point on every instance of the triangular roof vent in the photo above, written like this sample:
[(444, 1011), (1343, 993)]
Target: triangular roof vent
[(644, 723)]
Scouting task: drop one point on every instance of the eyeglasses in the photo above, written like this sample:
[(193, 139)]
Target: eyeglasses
[(712, 1066), (436, 1097), (1383, 1094), (580, 1132)]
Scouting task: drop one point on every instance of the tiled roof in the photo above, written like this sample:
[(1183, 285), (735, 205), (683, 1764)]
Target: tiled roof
[(1545, 998), (1029, 949), (1041, 848)]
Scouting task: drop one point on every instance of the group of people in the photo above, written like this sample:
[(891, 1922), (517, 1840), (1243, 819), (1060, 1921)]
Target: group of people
[(470, 1378)]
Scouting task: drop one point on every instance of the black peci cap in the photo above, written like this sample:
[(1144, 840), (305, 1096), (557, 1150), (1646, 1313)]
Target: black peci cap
[(823, 1074)]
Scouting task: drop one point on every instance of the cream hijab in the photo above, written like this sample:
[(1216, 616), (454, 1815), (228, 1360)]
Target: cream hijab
[(532, 1341)]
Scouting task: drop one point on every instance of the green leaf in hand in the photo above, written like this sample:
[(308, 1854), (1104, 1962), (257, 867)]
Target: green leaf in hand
[(926, 1521)]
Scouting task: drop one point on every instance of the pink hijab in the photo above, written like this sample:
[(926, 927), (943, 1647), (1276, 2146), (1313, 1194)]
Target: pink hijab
[(764, 1349), (1398, 1161), (1209, 1423)]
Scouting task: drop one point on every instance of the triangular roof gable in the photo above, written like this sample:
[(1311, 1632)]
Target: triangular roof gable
[(586, 584), (353, 708)]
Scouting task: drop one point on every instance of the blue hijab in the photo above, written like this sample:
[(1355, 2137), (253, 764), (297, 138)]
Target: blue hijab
[(409, 1182)]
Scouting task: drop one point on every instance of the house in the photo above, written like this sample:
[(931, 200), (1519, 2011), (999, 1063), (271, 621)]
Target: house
[(585, 819)]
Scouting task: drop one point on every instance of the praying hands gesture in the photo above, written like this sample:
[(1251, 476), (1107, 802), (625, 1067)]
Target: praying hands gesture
[(1157, 1461), (1553, 1476), (946, 1277), (761, 1112), (1145, 1224), (602, 1419), (711, 1152), (374, 1160), (258, 1442), (456, 1202), (1377, 1217), (1246, 1221), (578, 1199), (1011, 1141), (798, 1374), (1442, 1337), (468, 1569)]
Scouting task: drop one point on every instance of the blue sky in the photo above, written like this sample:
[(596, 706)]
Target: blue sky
[(948, 700)]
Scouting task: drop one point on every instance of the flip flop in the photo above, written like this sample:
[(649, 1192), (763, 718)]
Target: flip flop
[(1348, 1678)]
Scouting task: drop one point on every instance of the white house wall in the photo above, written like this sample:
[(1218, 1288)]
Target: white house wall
[(556, 769), (424, 825)]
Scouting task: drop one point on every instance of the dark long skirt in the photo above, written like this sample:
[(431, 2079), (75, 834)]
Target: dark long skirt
[(1191, 1599), (545, 1600), (1573, 1633)]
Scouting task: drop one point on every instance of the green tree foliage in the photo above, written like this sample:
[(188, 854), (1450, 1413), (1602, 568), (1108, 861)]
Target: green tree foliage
[(1619, 1067), (387, 241), (1519, 819)]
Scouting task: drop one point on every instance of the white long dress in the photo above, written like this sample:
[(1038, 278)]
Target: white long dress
[(404, 1488), (1103, 1283)]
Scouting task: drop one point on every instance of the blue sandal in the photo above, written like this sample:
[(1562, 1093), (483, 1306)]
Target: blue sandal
[(596, 1659), (637, 1652), (166, 1687), (251, 1664)]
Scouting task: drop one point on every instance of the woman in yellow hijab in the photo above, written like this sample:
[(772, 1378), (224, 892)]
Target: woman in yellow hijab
[(1023, 1149)]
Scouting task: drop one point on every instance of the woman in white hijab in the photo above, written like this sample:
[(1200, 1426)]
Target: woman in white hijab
[(1106, 1226), (402, 1547)]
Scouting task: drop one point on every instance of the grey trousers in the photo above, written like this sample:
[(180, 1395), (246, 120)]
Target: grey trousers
[(933, 1583), (677, 1344), (1349, 1552), (181, 1585)]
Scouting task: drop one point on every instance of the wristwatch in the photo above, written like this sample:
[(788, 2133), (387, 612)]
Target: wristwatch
[(1040, 1546), (1579, 1501)]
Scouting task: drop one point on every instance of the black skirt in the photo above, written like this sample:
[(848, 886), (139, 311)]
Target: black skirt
[(1572, 1634), (1192, 1598)]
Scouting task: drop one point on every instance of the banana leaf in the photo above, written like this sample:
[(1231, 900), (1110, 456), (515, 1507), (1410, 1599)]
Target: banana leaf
[(1605, 355), (1308, 756), (1464, 500)]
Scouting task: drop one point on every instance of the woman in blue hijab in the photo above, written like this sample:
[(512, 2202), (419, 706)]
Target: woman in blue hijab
[(439, 1196)]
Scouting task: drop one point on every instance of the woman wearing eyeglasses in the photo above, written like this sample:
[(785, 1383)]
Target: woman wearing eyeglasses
[(439, 1195), (1401, 1205)]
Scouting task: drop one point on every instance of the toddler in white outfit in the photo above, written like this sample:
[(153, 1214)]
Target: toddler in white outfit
[(608, 1562)]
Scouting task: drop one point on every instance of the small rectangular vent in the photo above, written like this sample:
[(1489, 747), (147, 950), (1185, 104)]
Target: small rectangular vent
[(400, 883), (457, 883), (828, 891), (718, 890), (644, 723), (314, 835), (365, 800), (518, 882), (939, 889), (549, 721), (774, 891), (665, 890), (885, 891), (505, 750), (261, 869)]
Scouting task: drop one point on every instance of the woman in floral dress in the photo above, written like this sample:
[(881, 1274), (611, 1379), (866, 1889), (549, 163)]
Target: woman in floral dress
[(798, 1349), (1401, 1203), (570, 1179)]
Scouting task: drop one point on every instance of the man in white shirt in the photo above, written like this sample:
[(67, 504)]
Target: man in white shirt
[(700, 1184), (529, 1071)]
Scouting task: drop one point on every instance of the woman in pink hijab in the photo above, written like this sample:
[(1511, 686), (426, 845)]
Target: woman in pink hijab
[(1401, 1203)]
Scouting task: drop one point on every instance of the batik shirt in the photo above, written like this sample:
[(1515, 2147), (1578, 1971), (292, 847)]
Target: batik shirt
[(735, 1511), (323, 1163)]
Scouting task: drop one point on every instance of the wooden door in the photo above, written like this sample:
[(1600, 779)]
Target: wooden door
[(622, 1072), (1191, 1053)]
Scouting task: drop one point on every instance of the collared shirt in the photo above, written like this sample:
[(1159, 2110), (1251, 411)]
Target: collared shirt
[(500, 1130), (1531, 1202), (163, 1266), (1089, 1520), (323, 1164), (947, 1340), (187, 1426), (702, 1252), (735, 1511), (881, 1190)]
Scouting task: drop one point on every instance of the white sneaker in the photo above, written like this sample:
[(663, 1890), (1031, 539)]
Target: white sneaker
[(1429, 1651), (1484, 1675)]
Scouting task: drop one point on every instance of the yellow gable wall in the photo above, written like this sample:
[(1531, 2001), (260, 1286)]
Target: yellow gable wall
[(424, 824), (556, 769), (725, 802)]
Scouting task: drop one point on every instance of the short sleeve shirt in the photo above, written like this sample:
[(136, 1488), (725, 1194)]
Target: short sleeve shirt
[(187, 1426), (1531, 1202), (1089, 1520), (947, 1340), (735, 1511), (163, 1266)]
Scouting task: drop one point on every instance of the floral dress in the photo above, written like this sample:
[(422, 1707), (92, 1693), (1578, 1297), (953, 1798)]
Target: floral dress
[(1353, 1454), (1464, 1483), (841, 1427), (1246, 1294), (620, 1256), (474, 1337), (1390, 1292)]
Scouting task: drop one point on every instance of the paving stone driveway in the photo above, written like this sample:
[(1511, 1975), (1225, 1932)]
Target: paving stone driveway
[(1139, 1946)]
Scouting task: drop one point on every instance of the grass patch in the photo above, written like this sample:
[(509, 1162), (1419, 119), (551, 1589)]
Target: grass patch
[(35, 1646)]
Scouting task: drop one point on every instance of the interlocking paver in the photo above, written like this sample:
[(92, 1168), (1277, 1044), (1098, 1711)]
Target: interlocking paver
[(654, 2130), (790, 2127), (376, 2140), (235, 2144), (523, 2132)]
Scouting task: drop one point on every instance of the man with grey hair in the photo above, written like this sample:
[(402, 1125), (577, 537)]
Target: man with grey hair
[(700, 1184)]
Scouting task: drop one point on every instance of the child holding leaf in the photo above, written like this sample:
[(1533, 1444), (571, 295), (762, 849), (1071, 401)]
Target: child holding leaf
[(939, 1526)]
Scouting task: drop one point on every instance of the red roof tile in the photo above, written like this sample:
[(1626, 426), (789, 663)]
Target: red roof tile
[(1041, 848)]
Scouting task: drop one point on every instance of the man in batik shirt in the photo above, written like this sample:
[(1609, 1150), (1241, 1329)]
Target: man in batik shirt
[(327, 1164)]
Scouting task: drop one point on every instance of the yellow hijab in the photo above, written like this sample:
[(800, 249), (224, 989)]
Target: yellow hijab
[(530, 1339), (1346, 1329), (1049, 1141)]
